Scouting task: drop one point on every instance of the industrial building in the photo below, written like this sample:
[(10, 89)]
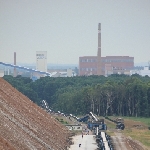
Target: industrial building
[(143, 72), (1, 73), (41, 61), (109, 65), (97, 65)]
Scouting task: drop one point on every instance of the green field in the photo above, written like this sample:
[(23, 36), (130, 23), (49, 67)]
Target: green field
[(146, 121), (142, 135)]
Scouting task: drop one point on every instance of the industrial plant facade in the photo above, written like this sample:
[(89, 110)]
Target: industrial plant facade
[(41, 61), (97, 65), (109, 65)]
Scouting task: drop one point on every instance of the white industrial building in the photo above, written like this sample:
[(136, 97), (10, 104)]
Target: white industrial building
[(1, 73), (41, 61), (143, 73), (68, 73)]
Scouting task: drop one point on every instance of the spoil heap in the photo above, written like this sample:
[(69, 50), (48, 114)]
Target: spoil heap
[(25, 126)]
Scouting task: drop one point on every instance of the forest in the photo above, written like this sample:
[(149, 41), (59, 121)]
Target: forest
[(119, 95)]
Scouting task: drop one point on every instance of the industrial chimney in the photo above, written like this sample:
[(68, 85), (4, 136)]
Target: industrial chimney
[(99, 68), (14, 64)]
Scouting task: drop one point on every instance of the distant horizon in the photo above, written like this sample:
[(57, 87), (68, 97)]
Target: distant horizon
[(69, 64), (68, 29)]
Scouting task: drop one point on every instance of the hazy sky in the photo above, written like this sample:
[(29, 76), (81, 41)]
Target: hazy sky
[(68, 29)]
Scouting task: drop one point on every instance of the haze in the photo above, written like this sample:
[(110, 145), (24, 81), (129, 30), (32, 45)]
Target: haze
[(68, 29)]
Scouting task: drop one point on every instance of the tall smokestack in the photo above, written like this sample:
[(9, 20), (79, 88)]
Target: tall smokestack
[(14, 64), (99, 68)]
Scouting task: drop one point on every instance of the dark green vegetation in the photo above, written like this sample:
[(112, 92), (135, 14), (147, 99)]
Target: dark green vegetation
[(119, 95)]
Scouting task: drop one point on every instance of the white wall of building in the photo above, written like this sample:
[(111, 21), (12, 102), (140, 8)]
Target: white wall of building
[(69, 72), (1, 73), (135, 72), (143, 73), (41, 61), (146, 68)]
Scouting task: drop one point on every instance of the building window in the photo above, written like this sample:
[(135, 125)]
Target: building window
[(82, 69), (93, 60), (93, 69)]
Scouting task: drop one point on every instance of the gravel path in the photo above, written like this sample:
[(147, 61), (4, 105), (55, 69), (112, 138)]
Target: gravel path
[(87, 143), (120, 142), (123, 143)]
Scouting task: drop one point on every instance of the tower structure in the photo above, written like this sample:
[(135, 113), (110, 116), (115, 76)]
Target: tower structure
[(99, 68), (14, 64), (41, 61), (97, 65)]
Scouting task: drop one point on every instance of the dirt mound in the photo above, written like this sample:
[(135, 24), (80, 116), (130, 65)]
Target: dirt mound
[(5, 145), (25, 126)]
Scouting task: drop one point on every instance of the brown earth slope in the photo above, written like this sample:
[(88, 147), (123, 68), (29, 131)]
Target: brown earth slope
[(25, 126)]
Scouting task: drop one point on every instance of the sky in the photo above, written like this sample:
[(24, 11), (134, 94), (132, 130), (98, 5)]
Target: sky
[(68, 29)]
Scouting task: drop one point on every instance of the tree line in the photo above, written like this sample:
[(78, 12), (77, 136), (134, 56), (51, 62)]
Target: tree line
[(119, 95)]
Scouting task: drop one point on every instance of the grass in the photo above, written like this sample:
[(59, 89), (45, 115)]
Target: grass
[(146, 121), (61, 120), (110, 125), (111, 133), (76, 132), (141, 135)]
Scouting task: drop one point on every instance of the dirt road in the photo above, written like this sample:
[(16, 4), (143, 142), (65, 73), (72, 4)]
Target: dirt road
[(87, 143), (120, 142), (123, 143)]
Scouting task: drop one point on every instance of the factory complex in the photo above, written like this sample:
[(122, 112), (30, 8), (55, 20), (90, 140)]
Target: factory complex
[(88, 65)]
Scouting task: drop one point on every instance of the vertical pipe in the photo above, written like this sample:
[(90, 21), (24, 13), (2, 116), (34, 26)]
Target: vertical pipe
[(8, 71), (14, 64), (5, 71), (99, 68)]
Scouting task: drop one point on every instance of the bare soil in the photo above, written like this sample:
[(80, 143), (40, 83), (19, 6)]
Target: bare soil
[(25, 126)]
